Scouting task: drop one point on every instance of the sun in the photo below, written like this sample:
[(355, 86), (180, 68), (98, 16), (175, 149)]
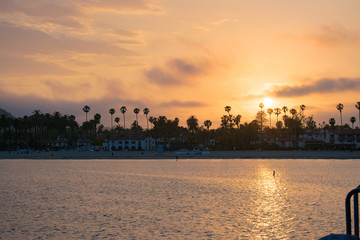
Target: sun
[(267, 102)]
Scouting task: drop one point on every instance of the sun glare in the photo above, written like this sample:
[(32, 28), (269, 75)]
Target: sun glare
[(267, 102)]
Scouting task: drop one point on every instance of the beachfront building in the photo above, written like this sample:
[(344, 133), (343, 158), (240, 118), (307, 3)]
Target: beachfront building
[(58, 143), (84, 144), (130, 144), (313, 139)]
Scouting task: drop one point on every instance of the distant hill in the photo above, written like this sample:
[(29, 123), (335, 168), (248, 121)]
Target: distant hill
[(3, 112)]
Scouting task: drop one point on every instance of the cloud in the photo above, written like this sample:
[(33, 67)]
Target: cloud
[(20, 105), (21, 65), (186, 104), (177, 71), (325, 85), (61, 13), (124, 33), (185, 67), (30, 41), (125, 6), (161, 77), (329, 35), (60, 89), (70, 14)]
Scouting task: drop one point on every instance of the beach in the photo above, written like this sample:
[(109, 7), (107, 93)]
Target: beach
[(246, 154)]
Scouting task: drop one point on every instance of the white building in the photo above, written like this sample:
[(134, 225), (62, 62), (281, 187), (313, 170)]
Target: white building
[(130, 144)]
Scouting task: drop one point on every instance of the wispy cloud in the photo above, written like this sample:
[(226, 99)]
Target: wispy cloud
[(177, 71), (20, 65), (161, 77), (125, 6), (185, 104), (30, 41), (20, 105), (325, 85), (62, 13), (185, 67), (328, 35)]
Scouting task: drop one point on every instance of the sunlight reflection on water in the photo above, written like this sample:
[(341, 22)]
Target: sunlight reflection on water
[(187, 199)]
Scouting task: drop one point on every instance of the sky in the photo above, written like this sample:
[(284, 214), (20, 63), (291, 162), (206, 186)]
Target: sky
[(179, 57)]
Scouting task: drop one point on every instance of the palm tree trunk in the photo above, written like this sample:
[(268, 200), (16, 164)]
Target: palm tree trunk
[(124, 120), (341, 118)]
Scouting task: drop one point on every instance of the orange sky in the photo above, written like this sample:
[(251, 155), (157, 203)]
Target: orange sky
[(179, 57)]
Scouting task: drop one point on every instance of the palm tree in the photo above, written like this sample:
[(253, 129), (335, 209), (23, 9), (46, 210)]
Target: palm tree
[(340, 107), (151, 120), (332, 122), (123, 110), (302, 116), (136, 111), (285, 109), (117, 120), (270, 111), (277, 112), (358, 107), (237, 120), (111, 111), (86, 109), (228, 109), (302, 107), (97, 118), (207, 124), (192, 123), (261, 106), (225, 121), (352, 120), (146, 112), (293, 112)]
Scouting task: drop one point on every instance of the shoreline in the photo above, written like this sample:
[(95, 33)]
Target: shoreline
[(245, 154)]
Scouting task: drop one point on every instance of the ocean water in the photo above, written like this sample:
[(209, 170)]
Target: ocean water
[(168, 199)]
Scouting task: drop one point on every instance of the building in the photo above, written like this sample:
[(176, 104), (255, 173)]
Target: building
[(130, 144)]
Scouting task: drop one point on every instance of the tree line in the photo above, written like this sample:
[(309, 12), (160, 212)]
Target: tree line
[(41, 130)]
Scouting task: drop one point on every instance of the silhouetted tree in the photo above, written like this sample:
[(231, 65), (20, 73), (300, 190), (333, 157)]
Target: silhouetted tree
[(192, 123), (207, 124), (136, 111), (340, 107), (270, 111), (228, 109), (352, 120), (86, 109), (123, 110), (358, 107), (261, 115), (237, 120), (151, 120), (111, 111), (97, 118), (310, 123), (117, 120), (285, 109), (146, 112), (277, 112), (302, 116)]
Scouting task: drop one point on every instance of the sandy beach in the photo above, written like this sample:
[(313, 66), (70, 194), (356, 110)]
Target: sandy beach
[(172, 155)]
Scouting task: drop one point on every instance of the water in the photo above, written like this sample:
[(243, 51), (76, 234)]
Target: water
[(168, 199)]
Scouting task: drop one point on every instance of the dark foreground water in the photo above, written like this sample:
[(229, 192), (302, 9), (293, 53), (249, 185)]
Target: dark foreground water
[(168, 199)]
